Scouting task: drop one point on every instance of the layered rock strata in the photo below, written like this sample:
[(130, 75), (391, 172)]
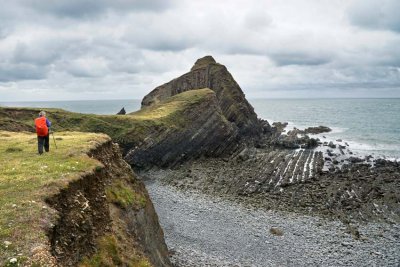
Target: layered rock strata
[(206, 132), (295, 180), (207, 73)]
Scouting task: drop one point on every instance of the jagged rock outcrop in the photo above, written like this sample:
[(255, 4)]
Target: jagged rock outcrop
[(122, 112), (207, 73), (204, 131)]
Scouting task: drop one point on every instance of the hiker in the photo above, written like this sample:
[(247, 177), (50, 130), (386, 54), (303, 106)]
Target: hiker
[(42, 125)]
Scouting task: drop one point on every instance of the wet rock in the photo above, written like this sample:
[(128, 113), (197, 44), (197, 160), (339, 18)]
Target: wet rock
[(317, 130), (244, 155), (279, 126), (368, 158), (355, 160), (331, 145)]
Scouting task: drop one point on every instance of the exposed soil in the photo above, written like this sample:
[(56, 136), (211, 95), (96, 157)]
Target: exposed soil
[(85, 214)]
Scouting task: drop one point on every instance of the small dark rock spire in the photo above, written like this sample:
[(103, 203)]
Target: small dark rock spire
[(122, 112)]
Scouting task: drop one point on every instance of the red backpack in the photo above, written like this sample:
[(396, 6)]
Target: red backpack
[(41, 126)]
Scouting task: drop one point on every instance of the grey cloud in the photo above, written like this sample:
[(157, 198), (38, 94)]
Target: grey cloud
[(161, 34), (17, 72), (257, 19), (298, 58), (164, 43), (85, 67), (38, 54), (90, 8), (376, 14)]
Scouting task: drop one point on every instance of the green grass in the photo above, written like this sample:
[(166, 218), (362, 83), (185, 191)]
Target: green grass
[(121, 194), (110, 254), (129, 130), (27, 178)]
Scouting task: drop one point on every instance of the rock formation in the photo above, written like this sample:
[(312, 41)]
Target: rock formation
[(204, 132), (207, 73), (122, 112)]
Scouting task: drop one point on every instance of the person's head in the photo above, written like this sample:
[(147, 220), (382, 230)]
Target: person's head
[(42, 114)]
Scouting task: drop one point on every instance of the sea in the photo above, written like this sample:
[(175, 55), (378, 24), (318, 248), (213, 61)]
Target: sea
[(369, 126)]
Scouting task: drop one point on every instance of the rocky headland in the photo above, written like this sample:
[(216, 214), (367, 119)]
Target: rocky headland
[(295, 172), (291, 170)]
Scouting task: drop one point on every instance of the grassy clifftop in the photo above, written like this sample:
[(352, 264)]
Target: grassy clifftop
[(26, 179), (66, 208), (128, 129)]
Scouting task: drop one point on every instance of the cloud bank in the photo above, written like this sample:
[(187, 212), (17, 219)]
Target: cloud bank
[(71, 49)]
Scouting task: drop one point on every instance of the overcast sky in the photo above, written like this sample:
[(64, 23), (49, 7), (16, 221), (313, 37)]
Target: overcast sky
[(120, 49)]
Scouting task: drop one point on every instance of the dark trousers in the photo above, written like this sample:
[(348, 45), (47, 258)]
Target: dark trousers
[(43, 141)]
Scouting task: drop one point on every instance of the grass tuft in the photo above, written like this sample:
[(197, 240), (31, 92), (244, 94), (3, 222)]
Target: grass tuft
[(110, 254), (14, 149), (123, 195)]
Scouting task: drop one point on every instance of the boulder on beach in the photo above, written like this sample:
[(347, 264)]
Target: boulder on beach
[(331, 145)]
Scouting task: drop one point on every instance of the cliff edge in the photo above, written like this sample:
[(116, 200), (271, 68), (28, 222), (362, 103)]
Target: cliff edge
[(80, 205)]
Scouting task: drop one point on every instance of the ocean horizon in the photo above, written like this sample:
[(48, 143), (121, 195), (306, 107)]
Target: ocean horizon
[(369, 125)]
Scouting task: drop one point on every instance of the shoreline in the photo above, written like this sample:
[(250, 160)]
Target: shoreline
[(358, 149)]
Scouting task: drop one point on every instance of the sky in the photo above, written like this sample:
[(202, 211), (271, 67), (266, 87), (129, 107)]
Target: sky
[(120, 49)]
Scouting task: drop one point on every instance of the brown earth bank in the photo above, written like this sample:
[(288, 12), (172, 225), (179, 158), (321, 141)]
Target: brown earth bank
[(106, 218)]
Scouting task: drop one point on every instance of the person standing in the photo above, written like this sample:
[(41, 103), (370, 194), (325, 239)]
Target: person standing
[(42, 125)]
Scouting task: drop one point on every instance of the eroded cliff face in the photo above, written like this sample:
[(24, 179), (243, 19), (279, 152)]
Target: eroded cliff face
[(207, 73), (106, 218), (204, 132)]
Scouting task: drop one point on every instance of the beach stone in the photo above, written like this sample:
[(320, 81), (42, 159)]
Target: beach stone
[(276, 231)]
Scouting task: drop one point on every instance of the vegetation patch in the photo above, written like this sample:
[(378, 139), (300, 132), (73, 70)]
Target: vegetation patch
[(122, 194), (109, 253), (27, 179), (14, 149)]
